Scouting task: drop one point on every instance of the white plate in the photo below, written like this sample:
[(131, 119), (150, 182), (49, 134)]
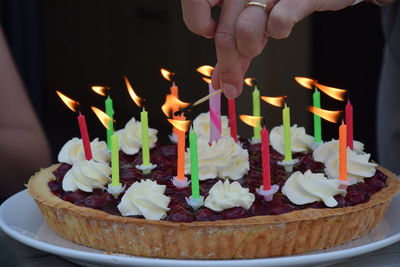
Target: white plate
[(20, 218)]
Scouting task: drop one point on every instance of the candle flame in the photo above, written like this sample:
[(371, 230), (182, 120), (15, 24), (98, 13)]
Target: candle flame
[(134, 96), (336, 93), (250, 81), (71, 104), (101, 90), (172, 103), (253, 121), (103, 117), (306, 82), (167, 74), (207, 80), (181, 125), (329, 115), (277, 101), (206, 70)]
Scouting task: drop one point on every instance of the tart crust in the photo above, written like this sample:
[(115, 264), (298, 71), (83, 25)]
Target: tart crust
[(254, 237)]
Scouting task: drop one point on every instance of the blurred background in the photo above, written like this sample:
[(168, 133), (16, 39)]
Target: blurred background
[(72, 45)]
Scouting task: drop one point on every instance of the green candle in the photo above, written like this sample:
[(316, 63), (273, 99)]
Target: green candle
[(110, 113), (145, 138), (286, 133), (317, 119), (194, 167), (256, 112), (114, 160)]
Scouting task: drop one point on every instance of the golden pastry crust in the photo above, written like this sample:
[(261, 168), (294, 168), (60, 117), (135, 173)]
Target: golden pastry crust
[(254, 237)]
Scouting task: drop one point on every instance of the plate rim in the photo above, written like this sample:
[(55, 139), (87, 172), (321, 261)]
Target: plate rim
[(88, 256)]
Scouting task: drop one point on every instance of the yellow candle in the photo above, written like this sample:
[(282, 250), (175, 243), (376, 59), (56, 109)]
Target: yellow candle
[(114, 160), (286, 133), (256, 112), (145, 138)]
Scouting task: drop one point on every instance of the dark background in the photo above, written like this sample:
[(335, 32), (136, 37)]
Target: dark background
[(71, 45)]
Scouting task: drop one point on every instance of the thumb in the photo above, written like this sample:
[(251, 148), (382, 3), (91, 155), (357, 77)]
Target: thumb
[(231, 80)]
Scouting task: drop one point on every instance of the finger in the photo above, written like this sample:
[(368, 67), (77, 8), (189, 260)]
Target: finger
[(230, 69), (216, 81), (197, 16), (287, 13), (250, 31)]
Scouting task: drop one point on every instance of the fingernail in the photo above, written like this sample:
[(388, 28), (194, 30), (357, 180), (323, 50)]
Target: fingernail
[(230, 90)]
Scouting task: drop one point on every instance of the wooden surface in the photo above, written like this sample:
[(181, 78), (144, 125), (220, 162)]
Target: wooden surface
[(27, 256)]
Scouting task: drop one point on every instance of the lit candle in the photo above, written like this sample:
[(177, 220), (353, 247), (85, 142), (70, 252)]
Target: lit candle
[(349, 124), (145, 138), (266, 189), (114, 160), (286, 133), (85, 136), (174, 90), (317, 119), (110, 113), (115, 187), (74, 106), (215, 115), (232, 118), (265, 159), (343, 153), (181, 153), (194, 168), (256, 111)]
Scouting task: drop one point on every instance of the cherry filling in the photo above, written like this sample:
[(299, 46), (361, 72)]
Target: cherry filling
[(165, 158)]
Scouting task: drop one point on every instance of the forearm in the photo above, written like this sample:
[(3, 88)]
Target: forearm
[(23, 144)]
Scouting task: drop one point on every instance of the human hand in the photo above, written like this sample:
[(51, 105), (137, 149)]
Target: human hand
[(229, 35), (242, 31)]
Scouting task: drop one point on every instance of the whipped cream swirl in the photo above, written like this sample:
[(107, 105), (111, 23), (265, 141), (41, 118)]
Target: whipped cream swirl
[(145, 198), (201, 125), (310, 187), (325, 150), (73, 152), (228, 195), (300, 141), (223, 159), (130, 138), (86, 176), (358, 166)]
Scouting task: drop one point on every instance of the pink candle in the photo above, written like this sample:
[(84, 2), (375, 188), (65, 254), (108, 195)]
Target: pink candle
[(349, 124), (85, 136), (232, 118), (265, 158), (215, 115)]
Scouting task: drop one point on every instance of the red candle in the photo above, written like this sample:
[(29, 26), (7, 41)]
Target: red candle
[(85, 136), (342, 153), (349, 124), (232, 118), (265, 159)]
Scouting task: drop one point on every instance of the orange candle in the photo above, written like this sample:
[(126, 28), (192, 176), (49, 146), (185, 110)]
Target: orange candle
[(181, 151), (174, 90), (343, 153)]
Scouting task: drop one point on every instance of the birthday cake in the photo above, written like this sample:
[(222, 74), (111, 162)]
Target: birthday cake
[(150, 216)]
